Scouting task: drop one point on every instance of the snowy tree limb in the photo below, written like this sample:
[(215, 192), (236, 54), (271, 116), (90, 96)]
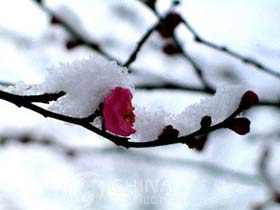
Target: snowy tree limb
[(190, 139)]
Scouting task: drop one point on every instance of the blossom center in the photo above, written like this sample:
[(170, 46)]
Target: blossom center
[(130, 116)]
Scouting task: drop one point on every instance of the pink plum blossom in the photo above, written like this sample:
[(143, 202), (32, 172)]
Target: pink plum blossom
[(118, 112)]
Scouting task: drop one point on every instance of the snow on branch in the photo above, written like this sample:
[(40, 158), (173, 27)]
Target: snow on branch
[(98, 95)]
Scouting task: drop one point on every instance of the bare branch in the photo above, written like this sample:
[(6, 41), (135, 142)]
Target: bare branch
[(230, 52), (141, 42)]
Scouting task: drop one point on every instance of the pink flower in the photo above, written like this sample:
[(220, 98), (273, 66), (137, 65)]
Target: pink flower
[(118, 112)]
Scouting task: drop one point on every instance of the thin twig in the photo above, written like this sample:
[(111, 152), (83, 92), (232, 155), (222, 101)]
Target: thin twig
[(197, 69), (173, 86), (270, 103), (139, 45), (75, 34), (44, 98), (73, 152), (230, 52)]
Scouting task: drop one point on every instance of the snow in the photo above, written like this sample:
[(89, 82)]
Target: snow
[(86, 82), (149, 124), (218, 107)]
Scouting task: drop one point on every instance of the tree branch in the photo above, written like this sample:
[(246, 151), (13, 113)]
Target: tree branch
[(195, 66), (21, 101), (230, 52), (76, 35), (44, 98), (173, 86), (75, 152), (138, 47)]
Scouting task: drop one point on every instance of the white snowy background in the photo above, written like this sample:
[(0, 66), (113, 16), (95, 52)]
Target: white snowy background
[(224, 176)]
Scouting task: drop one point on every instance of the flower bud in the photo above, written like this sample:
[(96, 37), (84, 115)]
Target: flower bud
[(169, 23), (171, 49), (240, 125), (168, 133), (205, 122), (248, 100), (55, 20), (71, 44)]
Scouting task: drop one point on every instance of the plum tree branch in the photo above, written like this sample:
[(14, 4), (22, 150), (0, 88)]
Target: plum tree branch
[(167, 85), (140, 43), (23, 101), (74, 33), (232, 53), (44, 98)]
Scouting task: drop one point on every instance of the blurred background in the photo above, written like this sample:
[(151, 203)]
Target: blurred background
[(51, 165)]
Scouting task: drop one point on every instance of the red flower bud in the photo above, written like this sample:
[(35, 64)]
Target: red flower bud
[(197, 143), (248, 100), (191, 143), (168, 133), (169, 23), (71, 44), (200, 143), (55, 20), (25, 139), (240, 125), (277, 197), (205, 122), (171, 49)]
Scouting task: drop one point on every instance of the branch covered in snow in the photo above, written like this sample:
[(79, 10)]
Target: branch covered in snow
[(101, 101)]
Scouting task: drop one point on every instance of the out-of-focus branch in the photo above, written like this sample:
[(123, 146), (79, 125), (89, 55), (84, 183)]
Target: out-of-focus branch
[(173, 86), (75, 34), (75, 152), (223, 49), (230, 52), (263, 164), (141, 42), (207, 87), (197, 69), (266, 179)]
